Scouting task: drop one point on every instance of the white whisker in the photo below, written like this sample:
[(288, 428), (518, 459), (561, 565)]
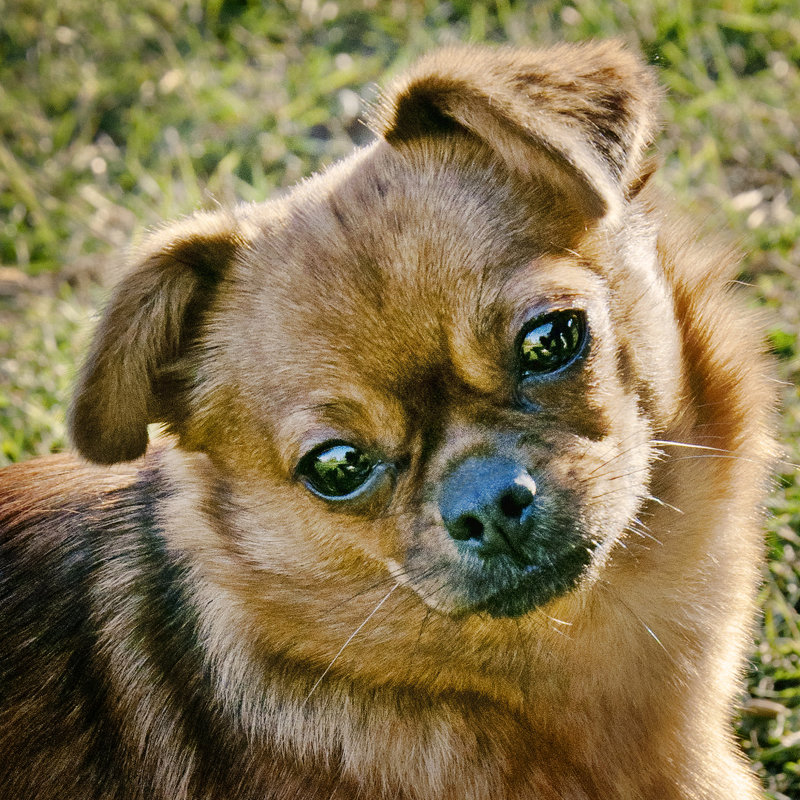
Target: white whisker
[(349, 639), (664, 503), (649, 630), (687, 444)]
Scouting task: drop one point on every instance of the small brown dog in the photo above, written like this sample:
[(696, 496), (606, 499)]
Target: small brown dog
[(469, 439)]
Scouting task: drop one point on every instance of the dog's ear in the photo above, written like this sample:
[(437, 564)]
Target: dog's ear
[(578, 117), (128, 379)]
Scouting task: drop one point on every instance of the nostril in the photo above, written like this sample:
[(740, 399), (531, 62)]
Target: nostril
[(485, 502), (466, 527), (513, 502), (472, 526)]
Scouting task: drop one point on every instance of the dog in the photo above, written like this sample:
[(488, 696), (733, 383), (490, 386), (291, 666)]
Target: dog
[(458, 496)]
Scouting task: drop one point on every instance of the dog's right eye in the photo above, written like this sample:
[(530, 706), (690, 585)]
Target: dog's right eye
[(335, 470)]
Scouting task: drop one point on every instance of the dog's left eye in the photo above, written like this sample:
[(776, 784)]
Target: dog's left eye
[(550, 342), (335, 470)]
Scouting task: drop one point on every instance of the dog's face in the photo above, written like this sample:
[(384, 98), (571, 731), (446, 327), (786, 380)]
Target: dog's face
[(437, 386), (444, 360)]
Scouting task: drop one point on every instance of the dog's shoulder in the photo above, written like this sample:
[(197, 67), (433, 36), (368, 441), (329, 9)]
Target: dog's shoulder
[(61, 516), (45, 499)]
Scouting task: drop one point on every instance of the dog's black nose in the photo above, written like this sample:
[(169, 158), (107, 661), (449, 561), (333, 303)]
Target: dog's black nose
[(489, 502)]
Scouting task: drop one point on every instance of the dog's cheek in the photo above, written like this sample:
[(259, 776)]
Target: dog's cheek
[(644, 319), (607, 481)]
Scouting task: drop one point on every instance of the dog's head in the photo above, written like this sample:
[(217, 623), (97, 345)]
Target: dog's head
[(444, 359)]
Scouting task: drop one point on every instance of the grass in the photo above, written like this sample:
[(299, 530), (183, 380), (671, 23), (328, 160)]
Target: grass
[(114, 116)]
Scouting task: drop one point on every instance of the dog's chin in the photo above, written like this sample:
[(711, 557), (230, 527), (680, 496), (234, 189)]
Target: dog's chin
[(502, 587), (521, 589), (533, 590)]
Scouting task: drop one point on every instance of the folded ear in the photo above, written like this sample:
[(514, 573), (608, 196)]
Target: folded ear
[(128, 379), (576, 116)]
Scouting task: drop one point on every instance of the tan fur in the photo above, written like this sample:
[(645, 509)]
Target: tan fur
[(379, 304)]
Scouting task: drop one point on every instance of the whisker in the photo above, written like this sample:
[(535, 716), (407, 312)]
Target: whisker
[(639, 620), (415, 649), (611, 454), (663, 503), (560, 632), (614, 490), (349, 639), (435, 590), (610, 476), (637, 527), (688, 444), (384, 581), (725, 455), (553, 622)]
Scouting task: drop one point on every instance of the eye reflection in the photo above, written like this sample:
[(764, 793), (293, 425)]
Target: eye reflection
[(336, 470), (551, 342)]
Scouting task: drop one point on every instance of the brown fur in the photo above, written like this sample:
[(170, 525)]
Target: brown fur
[(175, 628)]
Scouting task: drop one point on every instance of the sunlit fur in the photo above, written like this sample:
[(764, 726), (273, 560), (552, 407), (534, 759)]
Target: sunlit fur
[(197, 624)]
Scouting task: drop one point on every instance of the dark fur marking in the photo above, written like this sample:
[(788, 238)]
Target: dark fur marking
[(46, 616), (381, 187), (419, 114), (169, 633), (340, 218)]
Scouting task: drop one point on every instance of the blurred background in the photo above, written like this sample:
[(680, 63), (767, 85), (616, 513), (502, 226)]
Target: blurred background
[(115, 116)]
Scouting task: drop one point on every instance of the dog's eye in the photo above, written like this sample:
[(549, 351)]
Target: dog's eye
[(550, 342), (335, 469)]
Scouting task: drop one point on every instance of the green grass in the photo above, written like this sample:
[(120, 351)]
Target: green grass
[(114, 116)]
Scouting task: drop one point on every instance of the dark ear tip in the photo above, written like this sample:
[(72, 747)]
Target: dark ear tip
[(103, 445), (105, 451)]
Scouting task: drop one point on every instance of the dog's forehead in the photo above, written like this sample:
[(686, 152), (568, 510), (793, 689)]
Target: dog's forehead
[(379, 264), (384, 291), (410, 221)]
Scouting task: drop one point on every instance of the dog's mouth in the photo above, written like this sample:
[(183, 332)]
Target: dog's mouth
[(533, 586), (516, 542), (505, 586), (502, 585)]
